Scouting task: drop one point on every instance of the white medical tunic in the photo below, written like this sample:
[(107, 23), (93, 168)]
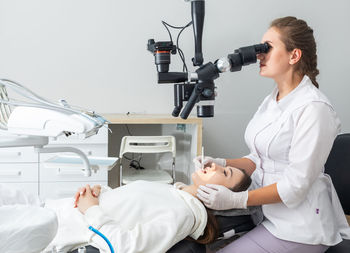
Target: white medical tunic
[(290, 141), (139, 217)]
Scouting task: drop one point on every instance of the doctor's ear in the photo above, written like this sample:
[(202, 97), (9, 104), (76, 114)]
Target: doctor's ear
[(295, 56)]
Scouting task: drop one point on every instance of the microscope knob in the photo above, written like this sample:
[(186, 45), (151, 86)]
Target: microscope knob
[(207, 93)]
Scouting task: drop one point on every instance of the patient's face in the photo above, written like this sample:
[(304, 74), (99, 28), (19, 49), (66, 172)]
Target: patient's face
[(215, 174)]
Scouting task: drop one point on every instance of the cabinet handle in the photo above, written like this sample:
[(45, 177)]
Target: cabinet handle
[(9, 154), (70, 172), (10, 173)]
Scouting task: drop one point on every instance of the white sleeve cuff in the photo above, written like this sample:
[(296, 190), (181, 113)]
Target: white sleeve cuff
[(105, 188), (95, 217)]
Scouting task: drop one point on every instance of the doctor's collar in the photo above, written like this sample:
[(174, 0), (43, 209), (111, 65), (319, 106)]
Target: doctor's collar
[(284, 102)]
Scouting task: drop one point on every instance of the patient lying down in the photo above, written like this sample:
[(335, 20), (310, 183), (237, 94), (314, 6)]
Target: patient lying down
[(141, 216)]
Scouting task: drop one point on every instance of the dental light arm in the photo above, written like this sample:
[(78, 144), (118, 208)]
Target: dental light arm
[(198, 11), (199, 85), (32, 123), (40, 102)]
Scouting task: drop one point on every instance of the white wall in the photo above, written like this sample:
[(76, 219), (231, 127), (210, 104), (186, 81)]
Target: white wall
[(93, 54)]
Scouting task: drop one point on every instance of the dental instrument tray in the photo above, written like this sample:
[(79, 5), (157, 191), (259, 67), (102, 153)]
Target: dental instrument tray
[(76, 162)]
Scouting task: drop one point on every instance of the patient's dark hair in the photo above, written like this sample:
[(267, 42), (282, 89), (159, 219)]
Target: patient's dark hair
[(211, 231), (244, 184)]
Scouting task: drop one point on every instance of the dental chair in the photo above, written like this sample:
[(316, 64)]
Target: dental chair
[(338, 167), (230, 228), (183, 246)]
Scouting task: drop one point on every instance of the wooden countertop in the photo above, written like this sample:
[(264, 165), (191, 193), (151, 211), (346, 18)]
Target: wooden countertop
[(119, 118), (149, 119)]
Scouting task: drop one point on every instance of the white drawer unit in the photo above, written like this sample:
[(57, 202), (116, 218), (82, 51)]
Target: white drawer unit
[(19, 172), (18, 155), (19, 168), (23, 168)]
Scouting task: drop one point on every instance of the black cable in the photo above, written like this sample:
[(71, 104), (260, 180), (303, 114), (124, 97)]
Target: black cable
[(132, 160), (127, 158), (181, 54), (176, 27), (134, 163), (166, 24), (127, 129)]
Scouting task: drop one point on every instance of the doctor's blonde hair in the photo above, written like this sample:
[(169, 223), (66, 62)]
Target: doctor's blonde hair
[(295, 33)]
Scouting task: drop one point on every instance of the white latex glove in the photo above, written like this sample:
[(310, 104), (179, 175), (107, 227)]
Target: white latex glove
[(219, 197), (207, 161)]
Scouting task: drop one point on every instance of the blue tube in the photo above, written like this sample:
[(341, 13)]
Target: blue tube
[(103, 237)]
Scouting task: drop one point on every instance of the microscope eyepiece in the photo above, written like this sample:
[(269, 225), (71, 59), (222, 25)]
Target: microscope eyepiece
[(161, 51), (244, 56), (262, 48)]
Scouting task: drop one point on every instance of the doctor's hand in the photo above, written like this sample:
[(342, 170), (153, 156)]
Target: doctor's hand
[(219, 197), (87, 200), (208, 161)]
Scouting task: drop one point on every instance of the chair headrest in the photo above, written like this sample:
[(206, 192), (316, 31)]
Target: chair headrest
[(338, 167)]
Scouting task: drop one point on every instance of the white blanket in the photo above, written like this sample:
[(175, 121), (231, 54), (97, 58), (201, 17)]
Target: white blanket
[(25, 227), (140, 217)]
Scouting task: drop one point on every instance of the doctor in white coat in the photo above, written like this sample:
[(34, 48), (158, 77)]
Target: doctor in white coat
[(289, 138)]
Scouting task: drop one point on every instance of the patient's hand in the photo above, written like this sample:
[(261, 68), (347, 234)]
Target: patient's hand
[(95, 191), (87, 200)]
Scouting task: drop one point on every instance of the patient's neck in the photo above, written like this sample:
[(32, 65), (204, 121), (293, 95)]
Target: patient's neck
[(191, 189)]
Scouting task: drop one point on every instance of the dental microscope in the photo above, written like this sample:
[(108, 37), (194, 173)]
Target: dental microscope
[(197, 86)]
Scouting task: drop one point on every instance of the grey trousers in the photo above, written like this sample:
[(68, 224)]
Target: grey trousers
[(260, 240)]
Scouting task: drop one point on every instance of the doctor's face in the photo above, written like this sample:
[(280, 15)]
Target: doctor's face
[(215, 174), (276, 62)]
